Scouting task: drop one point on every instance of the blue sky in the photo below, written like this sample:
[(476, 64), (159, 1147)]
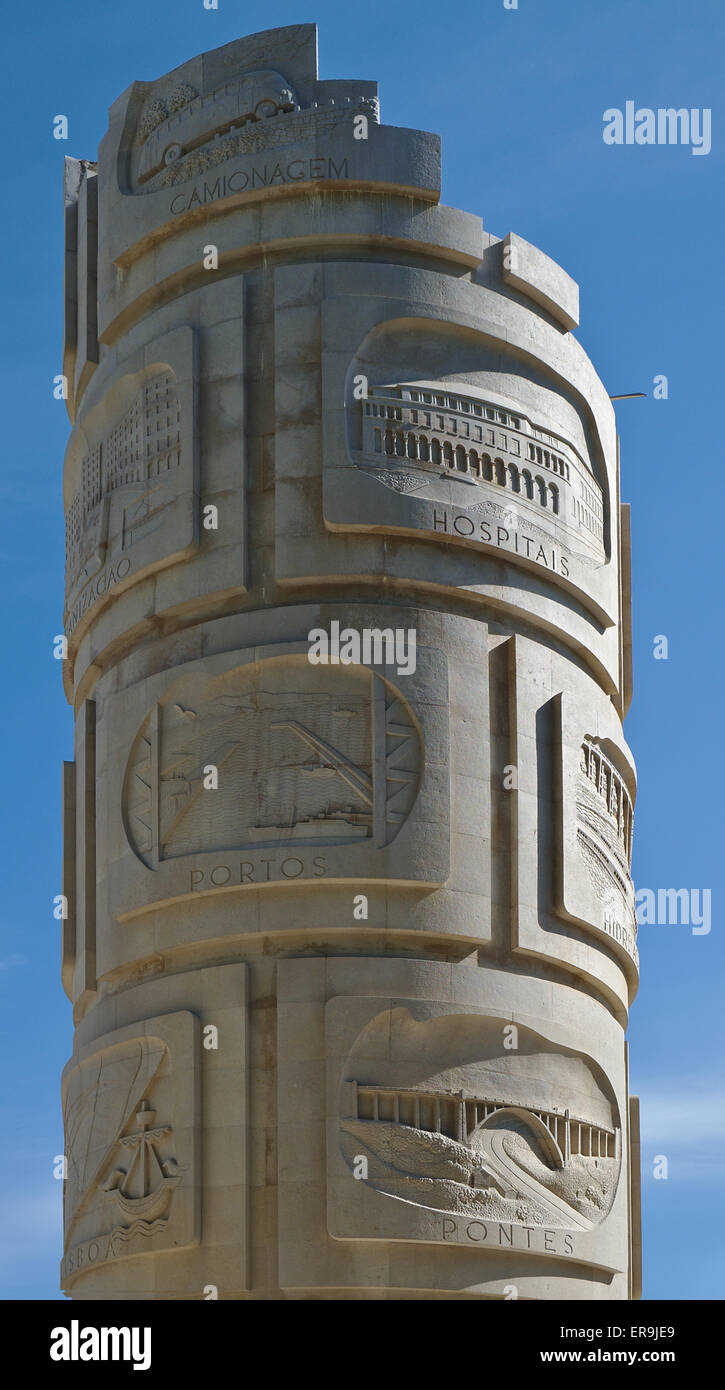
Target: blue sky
[(518, 97)]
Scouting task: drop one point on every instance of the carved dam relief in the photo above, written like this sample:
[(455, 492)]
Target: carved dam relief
[(303, 757)]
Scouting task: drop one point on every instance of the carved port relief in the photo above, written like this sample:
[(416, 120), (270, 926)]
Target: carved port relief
[(304, 757), (453, 1123), (130, 1133), (130, 483), (183, 133), (448, 444)]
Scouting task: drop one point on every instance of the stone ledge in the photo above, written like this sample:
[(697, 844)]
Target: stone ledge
[(529, 270)]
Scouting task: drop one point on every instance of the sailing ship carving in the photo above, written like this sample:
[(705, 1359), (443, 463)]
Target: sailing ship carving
[(144, 1189)]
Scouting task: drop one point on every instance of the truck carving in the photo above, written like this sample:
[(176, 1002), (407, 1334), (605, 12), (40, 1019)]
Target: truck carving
[(254, 97)]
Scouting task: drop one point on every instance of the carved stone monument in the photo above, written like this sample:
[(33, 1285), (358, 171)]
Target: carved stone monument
[(350, 933)]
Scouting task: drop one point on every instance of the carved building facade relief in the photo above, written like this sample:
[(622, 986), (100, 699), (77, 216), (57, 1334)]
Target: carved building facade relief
[(131, 480), (596, 832), (416, 433), (445, 436)]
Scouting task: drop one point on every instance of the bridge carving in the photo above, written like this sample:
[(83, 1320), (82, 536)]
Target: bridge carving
[(459, 1117)]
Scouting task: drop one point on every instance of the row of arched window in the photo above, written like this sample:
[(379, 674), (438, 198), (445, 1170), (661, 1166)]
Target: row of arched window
[(548, 460), (419, 449)]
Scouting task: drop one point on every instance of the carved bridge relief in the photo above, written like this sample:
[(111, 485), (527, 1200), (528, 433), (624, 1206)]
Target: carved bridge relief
[(124, 1153), (453, 1123), (422, 438), (302, 758)]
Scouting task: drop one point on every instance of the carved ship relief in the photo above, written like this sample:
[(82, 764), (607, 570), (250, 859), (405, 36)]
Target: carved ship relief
[(143, 1190), (108, 1116)]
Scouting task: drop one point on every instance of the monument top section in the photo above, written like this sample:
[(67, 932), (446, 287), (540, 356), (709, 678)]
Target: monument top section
[(255, 95), (252, 118), (244, 147)]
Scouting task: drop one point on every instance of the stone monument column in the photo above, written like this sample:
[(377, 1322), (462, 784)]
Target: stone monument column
[(350, 933)]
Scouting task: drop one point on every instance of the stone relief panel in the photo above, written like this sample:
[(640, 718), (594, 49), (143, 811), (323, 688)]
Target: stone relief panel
[(130, 1114), (135, 456), (604, 828), (131, 479), (186, 135), (200, 132), (596, 838), (439, 440), (432, 431), (467, 1140), (254, 96), (302, 761), (306, 758)]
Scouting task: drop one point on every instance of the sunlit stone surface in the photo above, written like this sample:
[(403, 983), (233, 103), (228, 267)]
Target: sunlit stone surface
[(350, 942)]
